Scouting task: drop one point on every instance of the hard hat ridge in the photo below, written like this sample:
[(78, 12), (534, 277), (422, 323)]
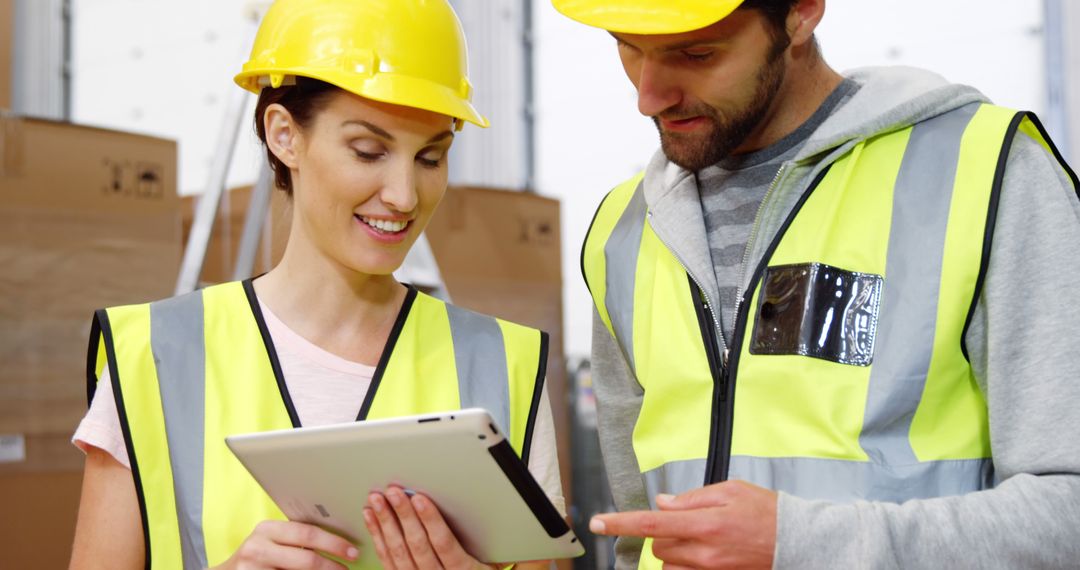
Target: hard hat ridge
[(405, 52)]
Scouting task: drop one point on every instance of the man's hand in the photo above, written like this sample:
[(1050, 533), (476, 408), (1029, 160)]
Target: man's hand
[(726, 525)]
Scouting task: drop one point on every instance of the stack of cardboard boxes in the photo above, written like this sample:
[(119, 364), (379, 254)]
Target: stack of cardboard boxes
[(221, 253), (88, 218)]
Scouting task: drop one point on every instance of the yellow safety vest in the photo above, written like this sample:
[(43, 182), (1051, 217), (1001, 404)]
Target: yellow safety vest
[(191, 370), (848, 375)]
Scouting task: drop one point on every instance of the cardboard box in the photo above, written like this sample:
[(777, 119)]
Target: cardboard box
[(499, 253), (7, 45), (39, 518), (228, 229), (89, 218)]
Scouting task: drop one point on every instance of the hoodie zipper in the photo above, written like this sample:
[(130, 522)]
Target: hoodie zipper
[(746, 251)]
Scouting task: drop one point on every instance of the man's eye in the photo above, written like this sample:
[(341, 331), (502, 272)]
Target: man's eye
[(697, 55)]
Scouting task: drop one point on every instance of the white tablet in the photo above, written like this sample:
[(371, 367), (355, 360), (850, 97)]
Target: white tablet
[(460, 459)]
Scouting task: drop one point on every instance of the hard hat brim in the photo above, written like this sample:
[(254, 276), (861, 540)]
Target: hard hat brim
[(383, 87), (647, 17)]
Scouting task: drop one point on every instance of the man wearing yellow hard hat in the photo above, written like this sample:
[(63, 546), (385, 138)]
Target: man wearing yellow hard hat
[(836, 315), (359, 102)]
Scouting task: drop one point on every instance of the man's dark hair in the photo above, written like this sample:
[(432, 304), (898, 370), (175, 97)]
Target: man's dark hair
[(303, 100), (775, 11)]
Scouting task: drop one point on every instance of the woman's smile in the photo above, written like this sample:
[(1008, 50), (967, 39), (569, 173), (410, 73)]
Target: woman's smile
[(384, 230)]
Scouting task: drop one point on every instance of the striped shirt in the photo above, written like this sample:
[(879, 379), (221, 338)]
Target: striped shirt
[(732, 191)]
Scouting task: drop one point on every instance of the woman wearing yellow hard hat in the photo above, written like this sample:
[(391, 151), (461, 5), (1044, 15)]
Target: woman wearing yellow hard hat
[(358, 104)]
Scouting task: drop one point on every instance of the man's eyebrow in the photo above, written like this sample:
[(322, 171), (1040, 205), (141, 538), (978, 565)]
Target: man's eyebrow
[(699, 42), (692, 44), (373, 128)]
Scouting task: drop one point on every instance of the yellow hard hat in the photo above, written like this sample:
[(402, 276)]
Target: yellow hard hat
[(647, 16), (404, 52)]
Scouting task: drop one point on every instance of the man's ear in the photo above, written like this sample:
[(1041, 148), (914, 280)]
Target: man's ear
[(282, 134), (803, 20)]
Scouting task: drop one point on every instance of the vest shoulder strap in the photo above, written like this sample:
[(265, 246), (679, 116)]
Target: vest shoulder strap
[(593, 259), (467, 359)]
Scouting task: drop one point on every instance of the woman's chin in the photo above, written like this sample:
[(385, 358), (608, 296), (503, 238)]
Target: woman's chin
[(376, 267)]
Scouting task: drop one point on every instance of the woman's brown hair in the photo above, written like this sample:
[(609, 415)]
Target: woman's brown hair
[(303, 100)]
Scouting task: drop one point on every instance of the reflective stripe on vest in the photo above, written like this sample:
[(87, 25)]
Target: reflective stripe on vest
[(190, 370), (912, 207)]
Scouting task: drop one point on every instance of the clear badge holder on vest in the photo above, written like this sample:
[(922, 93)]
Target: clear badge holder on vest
[(818, 311)]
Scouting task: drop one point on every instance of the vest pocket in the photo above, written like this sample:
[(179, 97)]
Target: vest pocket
[(820, 311)]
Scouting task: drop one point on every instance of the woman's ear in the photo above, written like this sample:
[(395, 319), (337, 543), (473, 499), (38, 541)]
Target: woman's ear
[(282, 134)]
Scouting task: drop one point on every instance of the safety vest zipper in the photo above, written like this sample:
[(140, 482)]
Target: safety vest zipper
[(710, 326), (717, 471), (706, 321)]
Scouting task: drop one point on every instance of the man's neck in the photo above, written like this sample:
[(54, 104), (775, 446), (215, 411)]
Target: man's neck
[(808, 81)]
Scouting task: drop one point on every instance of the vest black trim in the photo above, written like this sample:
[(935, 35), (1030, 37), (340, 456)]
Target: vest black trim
[(538, 390), (384, 360), (991, 221), (91, 358), (102, 326), (271, 352), (995, 199), (1054, 150), (581, 256)]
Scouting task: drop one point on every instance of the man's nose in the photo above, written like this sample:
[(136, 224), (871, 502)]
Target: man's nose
[(657, 91)]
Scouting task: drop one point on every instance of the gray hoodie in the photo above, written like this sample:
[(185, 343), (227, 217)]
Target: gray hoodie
[(1024, 344)]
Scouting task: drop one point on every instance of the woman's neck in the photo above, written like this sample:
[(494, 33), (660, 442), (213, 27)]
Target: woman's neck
[(343, 312)]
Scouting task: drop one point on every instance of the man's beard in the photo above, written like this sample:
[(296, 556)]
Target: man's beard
[(697, 151)]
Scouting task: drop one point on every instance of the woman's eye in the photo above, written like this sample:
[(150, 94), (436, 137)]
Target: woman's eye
[(430, 159), (368, 151), (368, 156)]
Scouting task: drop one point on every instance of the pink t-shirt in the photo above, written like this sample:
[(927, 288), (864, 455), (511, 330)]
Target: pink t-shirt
[(325, 389)]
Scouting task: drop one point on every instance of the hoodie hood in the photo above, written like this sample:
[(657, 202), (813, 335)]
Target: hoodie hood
[(888, 98)]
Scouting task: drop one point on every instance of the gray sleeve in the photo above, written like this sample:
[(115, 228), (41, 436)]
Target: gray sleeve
[(618, 397), (1024, 343)]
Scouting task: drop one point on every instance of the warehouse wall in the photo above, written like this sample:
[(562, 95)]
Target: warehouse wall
[(499, 155), (39, 85), (164, 68)]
